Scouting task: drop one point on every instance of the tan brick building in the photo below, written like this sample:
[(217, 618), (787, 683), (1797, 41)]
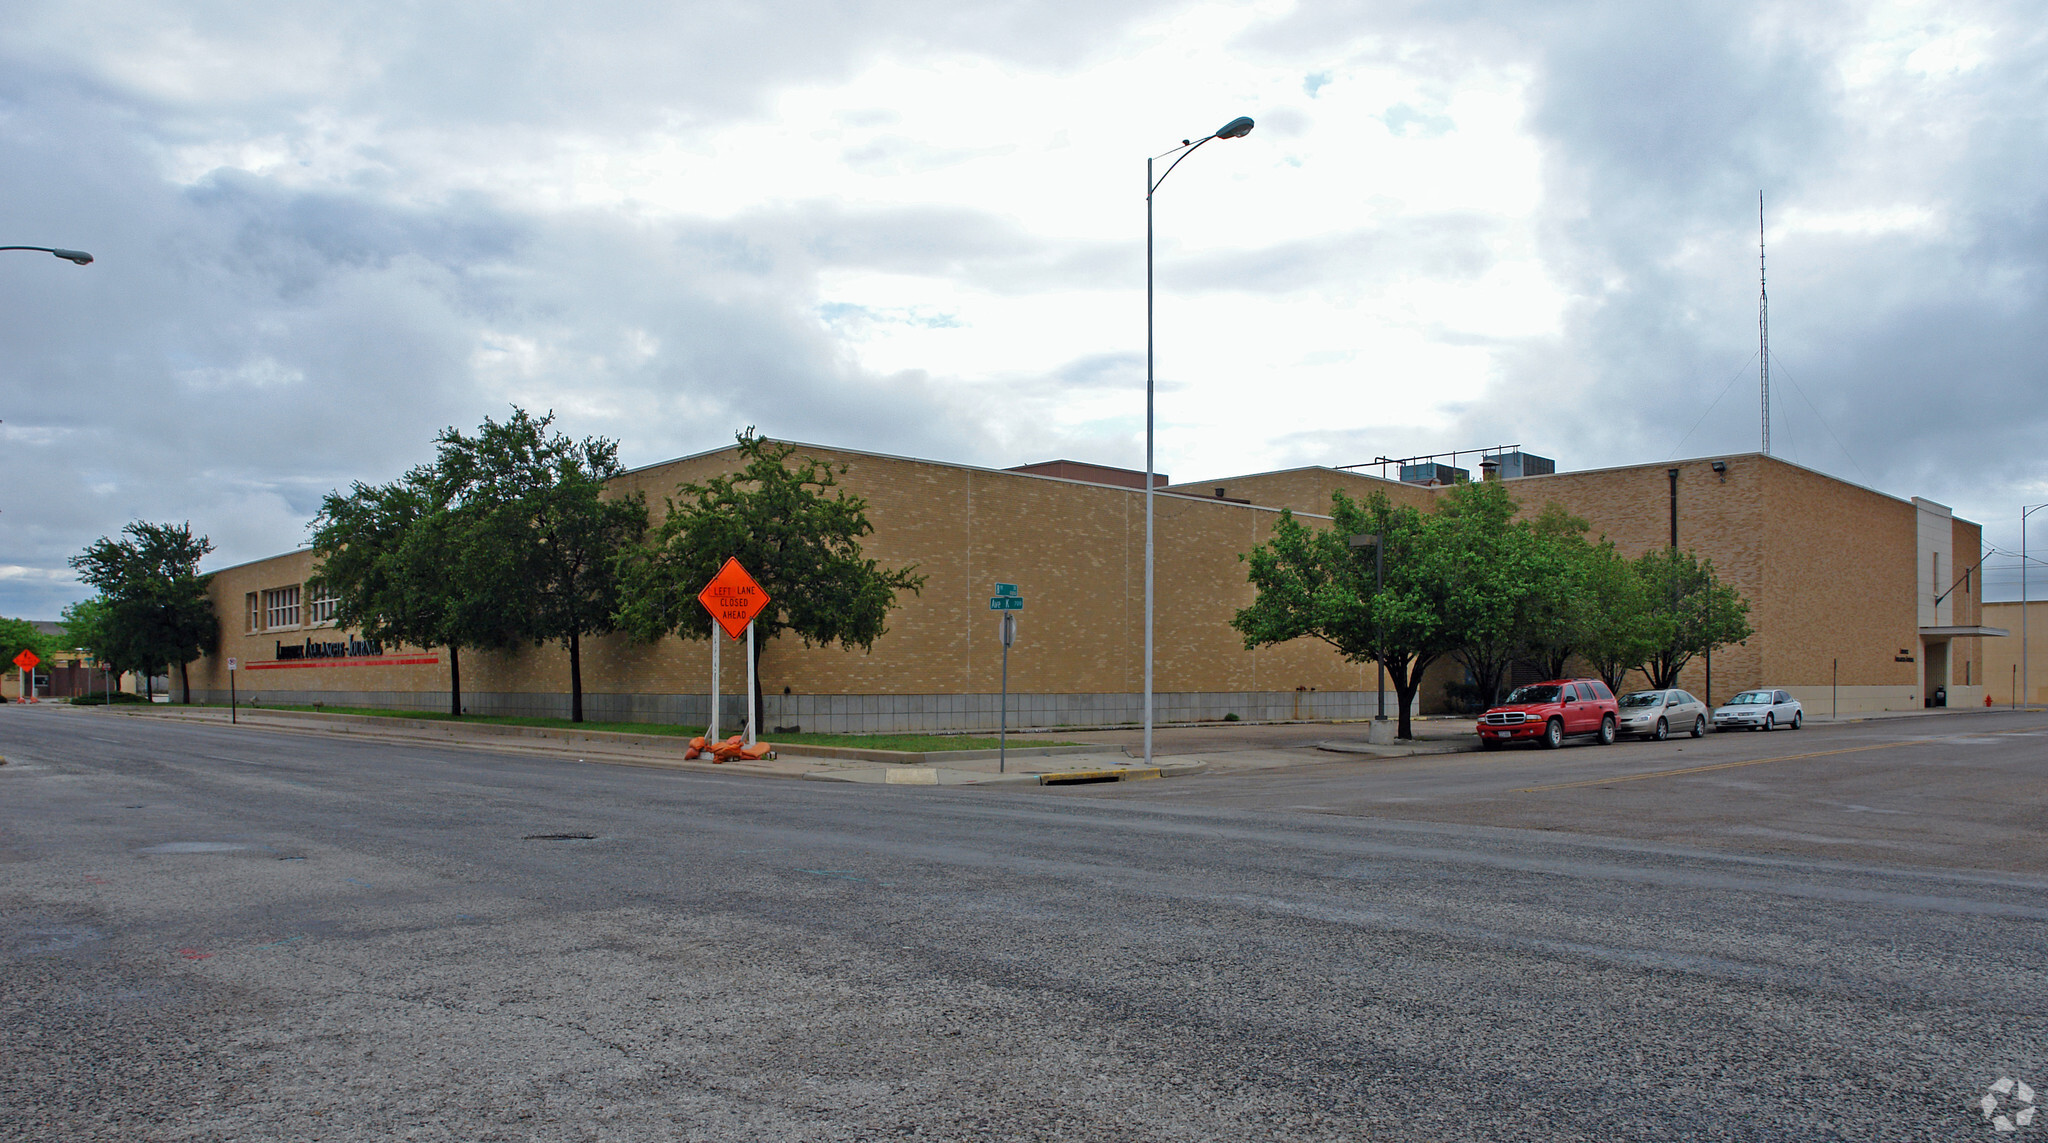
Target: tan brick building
[(1839, 578), (2004, 669)]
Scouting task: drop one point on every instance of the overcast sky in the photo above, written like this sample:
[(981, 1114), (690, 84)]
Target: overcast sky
[(327, 230)]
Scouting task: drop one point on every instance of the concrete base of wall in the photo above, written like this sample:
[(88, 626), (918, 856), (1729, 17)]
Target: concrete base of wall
[(865, 714), (1820, 701)]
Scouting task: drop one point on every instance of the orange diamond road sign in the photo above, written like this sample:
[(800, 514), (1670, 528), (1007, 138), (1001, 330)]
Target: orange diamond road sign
[(733, 598), (27, 660)]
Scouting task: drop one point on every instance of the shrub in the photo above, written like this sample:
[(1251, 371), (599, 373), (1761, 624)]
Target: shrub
[(102, 700)]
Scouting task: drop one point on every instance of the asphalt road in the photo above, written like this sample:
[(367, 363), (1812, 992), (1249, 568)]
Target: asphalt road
[(215, 933)]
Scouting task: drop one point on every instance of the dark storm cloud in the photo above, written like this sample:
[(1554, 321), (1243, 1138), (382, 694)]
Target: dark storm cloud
[(249, 341), (1908, 357)]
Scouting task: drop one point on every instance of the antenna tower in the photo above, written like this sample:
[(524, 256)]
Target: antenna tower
[(1763, 324)]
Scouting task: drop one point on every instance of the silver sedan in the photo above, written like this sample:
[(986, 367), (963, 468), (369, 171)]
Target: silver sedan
[(1762, 709), (1661, 714)]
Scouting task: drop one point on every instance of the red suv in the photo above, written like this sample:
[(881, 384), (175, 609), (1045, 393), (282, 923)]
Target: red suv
[(1551, 712)]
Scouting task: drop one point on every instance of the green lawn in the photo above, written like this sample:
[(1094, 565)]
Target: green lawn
[(914, 743)]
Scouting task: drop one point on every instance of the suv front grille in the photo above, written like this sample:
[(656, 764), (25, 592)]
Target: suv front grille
[(1505, 718)]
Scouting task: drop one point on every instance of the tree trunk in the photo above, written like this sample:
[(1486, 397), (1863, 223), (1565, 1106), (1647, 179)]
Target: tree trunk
[(1405, 695), (454, 681), (575, 675), (185, 681)]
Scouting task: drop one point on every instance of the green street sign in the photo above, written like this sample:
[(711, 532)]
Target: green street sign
[(1006, 603), (1006, 589)]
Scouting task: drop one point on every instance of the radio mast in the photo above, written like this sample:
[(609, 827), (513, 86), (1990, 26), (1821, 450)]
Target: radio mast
[(1763, 324)]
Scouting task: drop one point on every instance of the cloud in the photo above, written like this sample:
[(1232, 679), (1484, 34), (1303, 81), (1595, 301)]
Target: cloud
[(328, 231)]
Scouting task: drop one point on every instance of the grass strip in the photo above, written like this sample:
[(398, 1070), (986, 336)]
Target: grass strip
[(912, 743)]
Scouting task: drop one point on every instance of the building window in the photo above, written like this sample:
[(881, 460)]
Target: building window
[(320, 608), (281, 607), (255, 612)]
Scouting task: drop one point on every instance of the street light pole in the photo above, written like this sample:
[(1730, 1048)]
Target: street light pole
[(1379, 639), (1237, 128), (2026, 683)]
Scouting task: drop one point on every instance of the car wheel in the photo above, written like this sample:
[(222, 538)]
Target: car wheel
[(1699, 725), (1798, 719), (1663, 730), (1553, 734), (1607, 730), (1770, 723)]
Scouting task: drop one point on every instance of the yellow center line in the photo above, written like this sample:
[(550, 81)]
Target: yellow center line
[(1759, 761)]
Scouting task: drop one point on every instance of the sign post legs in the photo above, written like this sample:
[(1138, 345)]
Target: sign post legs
[(1008, 633), (234, 711), (711, 728), (753, 705)]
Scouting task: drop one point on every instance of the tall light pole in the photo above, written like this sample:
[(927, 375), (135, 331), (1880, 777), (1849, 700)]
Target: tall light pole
[(2026, 684), (78, 256), (1237, 128)]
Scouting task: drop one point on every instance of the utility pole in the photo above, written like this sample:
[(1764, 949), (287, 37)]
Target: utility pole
[(1763, 324)]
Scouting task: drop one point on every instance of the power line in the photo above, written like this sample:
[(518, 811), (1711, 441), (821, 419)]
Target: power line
[(1710, 408)]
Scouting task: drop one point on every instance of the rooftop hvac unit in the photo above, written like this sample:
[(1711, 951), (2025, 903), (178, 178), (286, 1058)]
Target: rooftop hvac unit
[(1433, 473), (1514, 464)]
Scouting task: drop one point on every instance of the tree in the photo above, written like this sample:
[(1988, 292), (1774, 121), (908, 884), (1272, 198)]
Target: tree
[(18, 635), (86, 625), (158, 612), (1510, 584), (1613, 630), (397, 562), (794, 530), (1688, 611), (532, 510), (1312, 583)]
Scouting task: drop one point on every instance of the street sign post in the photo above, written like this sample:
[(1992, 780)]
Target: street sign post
[(234, 713), (27, 661), (734, 599), (1006, 600)]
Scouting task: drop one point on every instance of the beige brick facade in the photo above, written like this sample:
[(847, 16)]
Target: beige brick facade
[(2002, 661), (1829, 569)]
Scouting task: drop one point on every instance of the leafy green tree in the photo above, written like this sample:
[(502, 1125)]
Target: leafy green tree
[(794, 530), (158, 613), (1511, 583), (1612, 631), (1312, 583), (531, 507), (85, 625), (1688, 611), (18, 635), (397, 561)]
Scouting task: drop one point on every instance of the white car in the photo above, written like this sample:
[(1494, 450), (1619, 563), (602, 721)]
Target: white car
[(1661, 714), (1759, 710)]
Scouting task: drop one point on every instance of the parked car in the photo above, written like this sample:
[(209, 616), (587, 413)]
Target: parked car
[(1759, 710), (1548, 713), (1660, 714)]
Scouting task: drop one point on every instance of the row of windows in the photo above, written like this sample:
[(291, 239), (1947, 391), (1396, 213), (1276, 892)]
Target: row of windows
[(278, 607)]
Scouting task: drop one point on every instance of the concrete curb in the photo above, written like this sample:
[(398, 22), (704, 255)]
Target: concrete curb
[(931, 757), (1439, 746)]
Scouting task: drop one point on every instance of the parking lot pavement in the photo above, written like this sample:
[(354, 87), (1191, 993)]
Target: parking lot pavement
[(1956, 790)]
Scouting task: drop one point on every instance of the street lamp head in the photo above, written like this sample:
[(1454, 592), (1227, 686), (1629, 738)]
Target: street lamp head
[(83, 259), (1237, 128)]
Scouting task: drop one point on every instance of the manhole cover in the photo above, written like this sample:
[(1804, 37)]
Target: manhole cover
[(561, 837)]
